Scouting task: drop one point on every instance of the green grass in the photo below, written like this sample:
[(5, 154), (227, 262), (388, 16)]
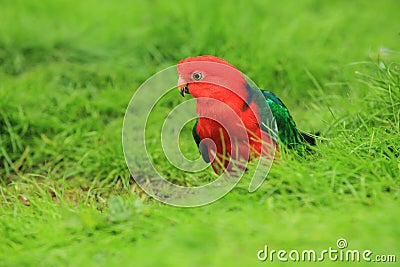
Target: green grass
[(69, 68)]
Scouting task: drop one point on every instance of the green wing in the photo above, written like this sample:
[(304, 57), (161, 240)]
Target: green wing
[(287, 131), (202, 147)]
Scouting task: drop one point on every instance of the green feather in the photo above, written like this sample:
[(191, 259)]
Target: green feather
[(288, 134), (202, 147), (287, 131)]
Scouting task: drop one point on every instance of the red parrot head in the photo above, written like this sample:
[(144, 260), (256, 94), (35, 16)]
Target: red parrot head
[(210, 77)]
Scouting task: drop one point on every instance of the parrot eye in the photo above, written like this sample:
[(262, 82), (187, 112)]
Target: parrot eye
[(197, 76)]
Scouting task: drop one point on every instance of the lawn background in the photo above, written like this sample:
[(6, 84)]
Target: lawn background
[(69, 68)]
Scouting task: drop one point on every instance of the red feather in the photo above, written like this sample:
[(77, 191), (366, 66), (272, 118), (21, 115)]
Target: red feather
[(222, 106)]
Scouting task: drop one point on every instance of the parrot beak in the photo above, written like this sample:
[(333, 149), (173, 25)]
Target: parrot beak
[(184, 90), (183, 86)]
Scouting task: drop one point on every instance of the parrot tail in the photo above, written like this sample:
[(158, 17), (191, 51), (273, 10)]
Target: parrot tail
[(310, 139)]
